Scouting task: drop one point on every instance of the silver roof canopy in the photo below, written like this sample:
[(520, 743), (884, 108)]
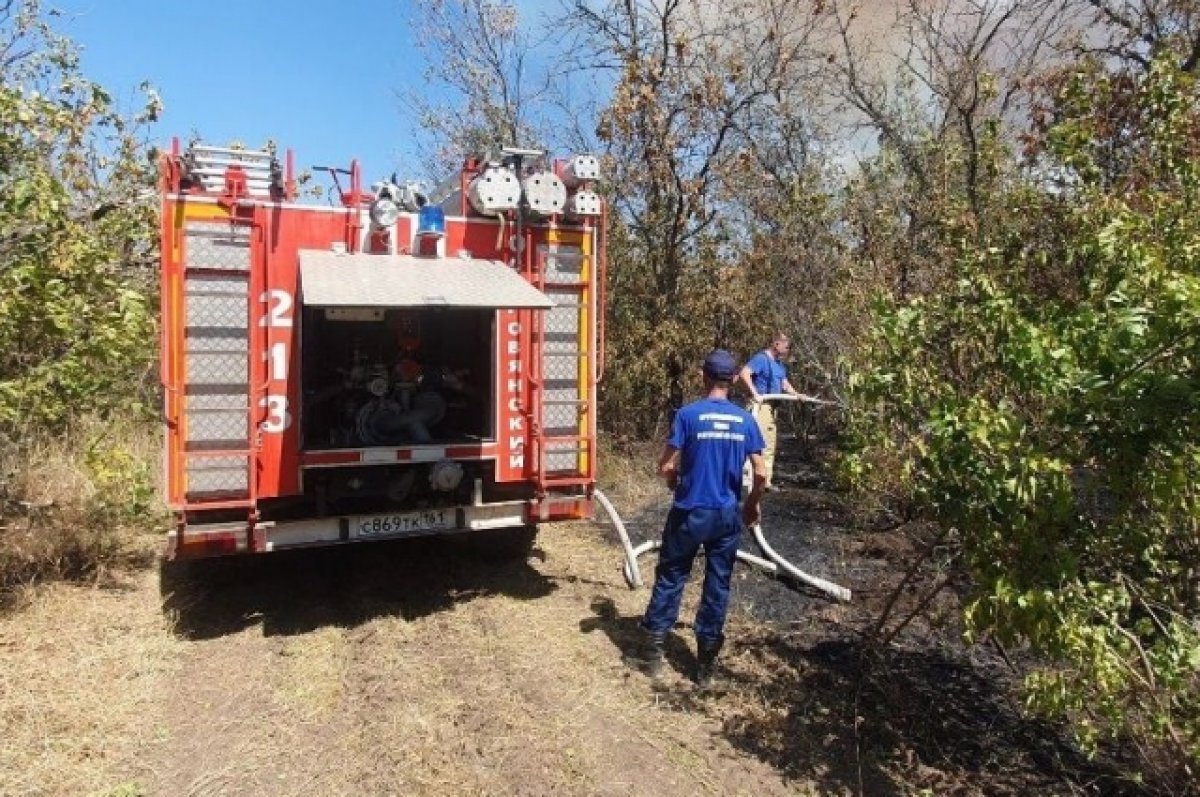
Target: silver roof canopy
[(330, 279)]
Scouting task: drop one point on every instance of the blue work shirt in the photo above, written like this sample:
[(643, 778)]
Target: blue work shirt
[(714, 437), (767, 373)]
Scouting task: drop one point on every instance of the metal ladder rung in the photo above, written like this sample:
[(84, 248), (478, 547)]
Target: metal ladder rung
[(217, 271), (564, 402), (216, 295), (214, 149), (566, 481), (236, 243), (230, 234), (249, 167), (223, 503), (222, 452)]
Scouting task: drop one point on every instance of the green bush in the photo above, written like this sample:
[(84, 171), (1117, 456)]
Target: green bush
[(1051, 421), (76, 238), (77, 270)]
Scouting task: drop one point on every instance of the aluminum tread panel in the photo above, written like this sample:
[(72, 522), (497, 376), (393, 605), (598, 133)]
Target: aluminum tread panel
[(216, 474), (217, 245), (217, 369), (222, 425), (562, 263)]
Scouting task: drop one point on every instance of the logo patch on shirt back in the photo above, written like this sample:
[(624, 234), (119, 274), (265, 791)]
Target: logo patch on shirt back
[(720, 416)]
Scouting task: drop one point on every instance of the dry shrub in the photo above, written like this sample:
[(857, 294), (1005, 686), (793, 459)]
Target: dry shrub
[(77, 505), (628, 471)]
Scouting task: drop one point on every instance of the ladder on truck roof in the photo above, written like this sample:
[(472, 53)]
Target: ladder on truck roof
[(209, 166), (564, 370)]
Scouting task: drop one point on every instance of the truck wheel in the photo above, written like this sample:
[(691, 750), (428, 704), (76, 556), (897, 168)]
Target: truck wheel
[(174, 577), (500, 544)]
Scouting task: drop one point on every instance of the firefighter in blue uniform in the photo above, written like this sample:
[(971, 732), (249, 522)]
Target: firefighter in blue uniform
[(703, 459), (766, 374)]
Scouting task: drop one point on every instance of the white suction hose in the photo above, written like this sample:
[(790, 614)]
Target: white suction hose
[(801, 397), (654, 545), (776, 564), (828, 587), (632, 574)]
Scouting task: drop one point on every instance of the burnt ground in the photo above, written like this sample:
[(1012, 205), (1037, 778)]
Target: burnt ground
[(925, 713), (427, 668)]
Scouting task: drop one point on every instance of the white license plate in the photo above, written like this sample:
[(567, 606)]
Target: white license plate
[(403, 523)]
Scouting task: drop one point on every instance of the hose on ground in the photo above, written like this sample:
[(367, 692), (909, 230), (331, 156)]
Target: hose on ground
[(828, 587), (633, 576), (773, 563), (654, 545)]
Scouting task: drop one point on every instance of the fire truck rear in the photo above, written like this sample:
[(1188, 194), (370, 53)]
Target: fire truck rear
[(390, 363)]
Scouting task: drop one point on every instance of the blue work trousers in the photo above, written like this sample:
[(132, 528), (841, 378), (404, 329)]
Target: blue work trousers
[(685, 533)]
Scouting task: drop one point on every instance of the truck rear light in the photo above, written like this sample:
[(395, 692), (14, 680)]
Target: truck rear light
[(199, 544)]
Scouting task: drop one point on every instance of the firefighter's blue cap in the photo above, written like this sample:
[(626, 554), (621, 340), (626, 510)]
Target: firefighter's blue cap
[(720, 365)]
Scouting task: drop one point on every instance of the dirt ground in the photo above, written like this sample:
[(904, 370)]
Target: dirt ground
[(415, 667)]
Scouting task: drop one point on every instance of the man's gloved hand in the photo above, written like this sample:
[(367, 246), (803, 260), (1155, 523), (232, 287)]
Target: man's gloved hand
[(751, 513)]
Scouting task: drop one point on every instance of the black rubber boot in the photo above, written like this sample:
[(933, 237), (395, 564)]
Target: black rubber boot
[(706, 661), (650, 655)]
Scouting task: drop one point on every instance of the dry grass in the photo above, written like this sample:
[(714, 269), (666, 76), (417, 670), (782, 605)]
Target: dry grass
[(393, 671), (480, 678), (401, 668), (80, 670), (76, 506), (628, 474)]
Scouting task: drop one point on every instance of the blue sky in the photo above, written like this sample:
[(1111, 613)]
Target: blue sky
[(318, 76)]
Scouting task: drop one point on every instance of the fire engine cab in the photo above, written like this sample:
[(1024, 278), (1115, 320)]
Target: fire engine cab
[(392, 362)]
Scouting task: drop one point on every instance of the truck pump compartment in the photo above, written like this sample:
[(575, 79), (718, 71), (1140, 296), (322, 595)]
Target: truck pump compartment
[(410, 376), (399, 349)]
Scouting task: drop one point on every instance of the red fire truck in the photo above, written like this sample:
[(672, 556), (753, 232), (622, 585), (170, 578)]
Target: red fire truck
[(390, 362)]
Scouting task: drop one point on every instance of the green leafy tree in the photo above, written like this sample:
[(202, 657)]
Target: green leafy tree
[(691, 90), (77, 216), (1045, 410)]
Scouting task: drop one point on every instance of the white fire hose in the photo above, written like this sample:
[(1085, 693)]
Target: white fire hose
[(774, 563), (632, 574), (789, 397), (828, 587), (654, 545)]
